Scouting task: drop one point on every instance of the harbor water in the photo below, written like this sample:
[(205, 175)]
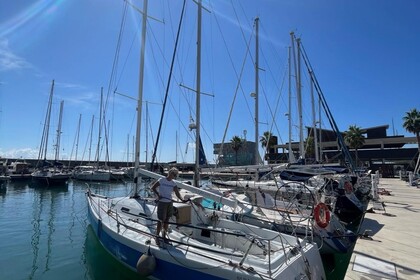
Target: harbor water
[(44, 233)]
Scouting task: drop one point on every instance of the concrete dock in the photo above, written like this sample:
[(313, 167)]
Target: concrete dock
[(391, 248)]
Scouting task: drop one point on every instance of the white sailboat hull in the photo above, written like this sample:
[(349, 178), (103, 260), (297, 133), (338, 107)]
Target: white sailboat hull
[(93, 175), (199, 253)]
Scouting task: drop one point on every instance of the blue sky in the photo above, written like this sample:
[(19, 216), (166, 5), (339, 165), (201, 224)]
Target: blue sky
[(365, 55)]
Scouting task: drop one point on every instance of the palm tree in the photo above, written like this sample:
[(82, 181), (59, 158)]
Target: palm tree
[(412, 124), (354, 138), (310, 147), (267, 141), (236, 143)]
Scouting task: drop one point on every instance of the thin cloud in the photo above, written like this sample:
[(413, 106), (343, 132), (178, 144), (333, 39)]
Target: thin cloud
[(9, 61), (77, 97), (69, 85), (28, 153)]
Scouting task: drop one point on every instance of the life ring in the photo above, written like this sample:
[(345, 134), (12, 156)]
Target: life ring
[(348, 188), (322, 215)]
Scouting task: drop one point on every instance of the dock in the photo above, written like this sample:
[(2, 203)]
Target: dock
[(389, 246)]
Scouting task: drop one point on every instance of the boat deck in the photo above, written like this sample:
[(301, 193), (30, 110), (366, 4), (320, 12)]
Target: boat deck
[(391, 248)]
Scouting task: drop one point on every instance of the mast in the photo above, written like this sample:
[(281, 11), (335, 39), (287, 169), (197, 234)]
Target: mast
[(299, 100), (140, 97), (57, 145), (176, 146), (147, 130), (320, 131), (99, 131), (75, 142), (91, 136), (256, 91), (198, 99), (78, 136), (289, 114), (133, 143), (314, 121), (47, 122), (128, 149)]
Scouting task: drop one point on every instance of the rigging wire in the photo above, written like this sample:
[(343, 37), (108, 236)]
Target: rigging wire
[(248, 50), (174, 77), (279, 89), (112, 79), (273, 114), (167, 88), (348, 159), (238, 85)]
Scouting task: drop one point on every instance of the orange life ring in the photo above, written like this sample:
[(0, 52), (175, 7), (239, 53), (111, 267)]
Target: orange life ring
[(348, 188), (322, 215)]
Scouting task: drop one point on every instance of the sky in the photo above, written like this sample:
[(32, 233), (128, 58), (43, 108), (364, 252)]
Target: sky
[(365, 55)]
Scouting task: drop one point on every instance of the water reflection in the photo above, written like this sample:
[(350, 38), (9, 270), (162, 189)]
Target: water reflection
[(17, 187), (50, 229), (45, 230), (36, 232), (73, 215), (44, 199), (3, 190), (100, 264)]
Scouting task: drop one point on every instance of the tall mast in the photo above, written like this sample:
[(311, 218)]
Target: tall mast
[(289, 114), (198, 99), (147, 130), (77, 136), (57, 144), (320, 131), (128, 149), (47, 121), (91, 136), (140, 97), (99, 132), (314, 121), (133, 149), (76, 142), (256, 91), (299, 100), (176, 146)]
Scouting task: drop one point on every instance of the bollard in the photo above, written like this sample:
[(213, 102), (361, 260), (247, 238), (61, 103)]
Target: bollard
[(410, 178), (374, 189)]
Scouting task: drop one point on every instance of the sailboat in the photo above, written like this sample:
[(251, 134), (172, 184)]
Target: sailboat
[(290, 183), (198, 246), (47, 173), (93, 172)]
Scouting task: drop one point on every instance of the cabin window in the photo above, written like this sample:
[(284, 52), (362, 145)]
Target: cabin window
[(205, 233)]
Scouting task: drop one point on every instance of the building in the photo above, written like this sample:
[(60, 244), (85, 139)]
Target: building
[(387, 154), (229, 157)]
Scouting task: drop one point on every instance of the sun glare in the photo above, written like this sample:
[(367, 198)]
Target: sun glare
[(30, 19)]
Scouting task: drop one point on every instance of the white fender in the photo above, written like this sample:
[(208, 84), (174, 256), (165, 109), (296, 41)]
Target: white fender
[(146, 264)]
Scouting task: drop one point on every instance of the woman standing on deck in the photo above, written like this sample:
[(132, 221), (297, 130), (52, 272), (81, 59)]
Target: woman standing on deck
[(165, 205)]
